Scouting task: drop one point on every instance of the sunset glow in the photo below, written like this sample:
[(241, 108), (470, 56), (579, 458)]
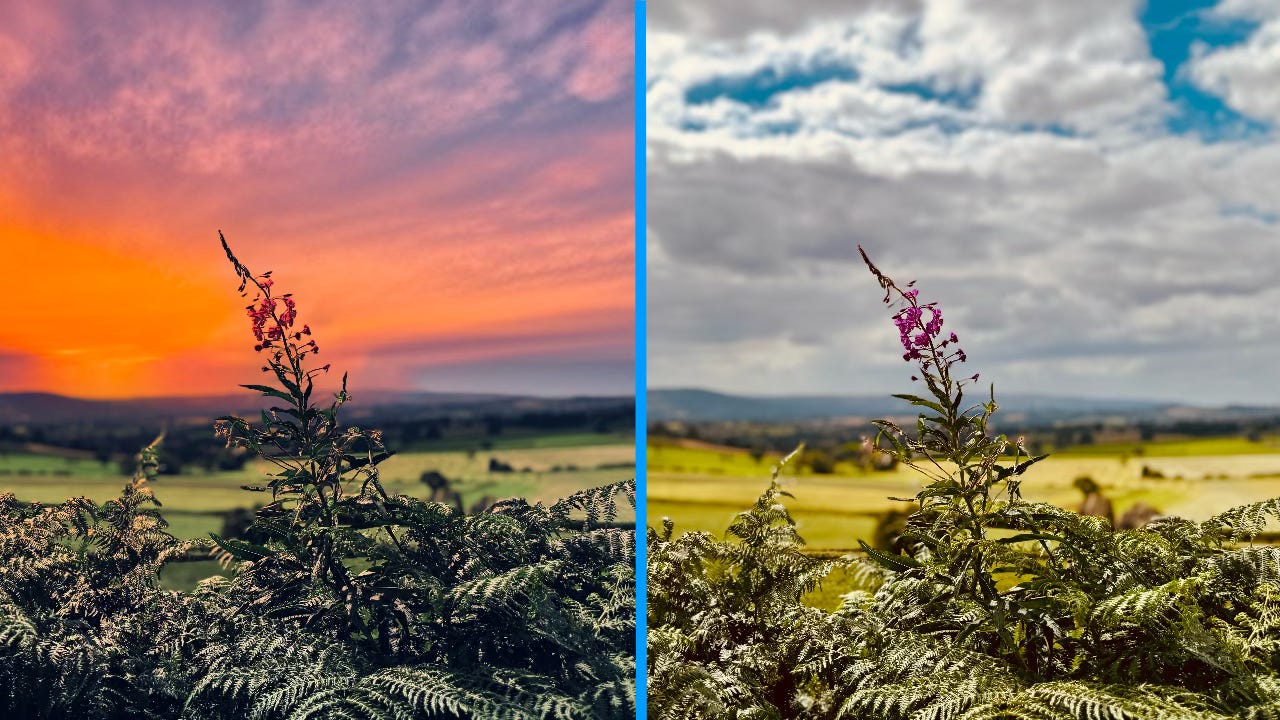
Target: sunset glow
[(440, 188)]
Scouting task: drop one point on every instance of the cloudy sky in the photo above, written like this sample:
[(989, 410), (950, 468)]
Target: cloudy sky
[(446, 187), (1088, 187)]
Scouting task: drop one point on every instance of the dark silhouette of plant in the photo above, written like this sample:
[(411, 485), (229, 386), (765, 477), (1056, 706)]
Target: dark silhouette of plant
[(344, 601), (84, 629), (1004, 608)]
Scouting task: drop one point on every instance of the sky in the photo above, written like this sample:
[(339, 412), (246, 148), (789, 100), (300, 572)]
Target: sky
[(445, 187), (1087, 188)]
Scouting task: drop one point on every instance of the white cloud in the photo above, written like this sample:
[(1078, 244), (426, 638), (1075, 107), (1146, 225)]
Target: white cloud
[(1246, 75), (1035, 191), (735, 18), (1251, 9)]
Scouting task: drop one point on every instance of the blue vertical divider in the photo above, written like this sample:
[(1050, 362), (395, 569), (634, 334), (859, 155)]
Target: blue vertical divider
[(641, 375)]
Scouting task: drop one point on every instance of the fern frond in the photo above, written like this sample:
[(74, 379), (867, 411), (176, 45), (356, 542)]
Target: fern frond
[(1243, 522), (1084, 701), (1145, 606)]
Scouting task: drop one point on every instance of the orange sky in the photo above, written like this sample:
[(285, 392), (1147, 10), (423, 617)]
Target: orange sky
[(447, 192)]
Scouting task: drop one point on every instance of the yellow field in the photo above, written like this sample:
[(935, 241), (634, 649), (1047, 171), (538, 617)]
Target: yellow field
[(835, 511)]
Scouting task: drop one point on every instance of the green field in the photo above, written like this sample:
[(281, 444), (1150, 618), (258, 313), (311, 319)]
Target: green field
[(523, 439), (701, 487), (542, 473), (1176, 448), (194, 503)]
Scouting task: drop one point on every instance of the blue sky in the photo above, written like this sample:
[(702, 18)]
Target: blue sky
[(1085, 184), (1173, 29)]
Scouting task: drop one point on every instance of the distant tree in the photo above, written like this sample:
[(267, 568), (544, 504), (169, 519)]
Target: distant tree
[(818, 461), (233, 460), (888, 533), (1094, 503), (493, 426), (848, 452), (434, 480)]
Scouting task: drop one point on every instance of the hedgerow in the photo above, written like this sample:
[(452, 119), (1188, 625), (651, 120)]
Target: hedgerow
[(999, 607), (357, 604)]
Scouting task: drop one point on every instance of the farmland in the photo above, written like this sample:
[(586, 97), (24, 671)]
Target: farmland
[(702, 486), (194, 502), (546, 467)]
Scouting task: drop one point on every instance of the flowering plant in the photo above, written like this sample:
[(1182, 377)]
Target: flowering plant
[(510, 612), (946, 433), (350, 602), (325, 477), (992, 607)]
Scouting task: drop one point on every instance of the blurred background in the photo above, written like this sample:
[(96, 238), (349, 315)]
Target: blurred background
[(446, 188), (1084, 187)]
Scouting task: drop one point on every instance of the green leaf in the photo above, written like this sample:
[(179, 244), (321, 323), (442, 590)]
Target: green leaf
[(241, 550), (917, 400), (359, 462), (897, 563), (1004, 472), (292, 386), (269, 391), (1024, 537)]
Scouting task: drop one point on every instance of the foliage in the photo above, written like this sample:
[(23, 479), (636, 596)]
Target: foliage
[(84, 628), (345, 601), (719, 612), (995, 607)]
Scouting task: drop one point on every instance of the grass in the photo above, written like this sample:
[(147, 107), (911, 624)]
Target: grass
[(826, 530), (1175, 448), (702, 487), (552, 472), (22, 465), (704, 458), (185, 575), (518, 439), (192, 524), (829, 594), (194, 503)]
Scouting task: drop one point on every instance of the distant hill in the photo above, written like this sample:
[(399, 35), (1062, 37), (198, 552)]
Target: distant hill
[(696, 405), (50, 408)]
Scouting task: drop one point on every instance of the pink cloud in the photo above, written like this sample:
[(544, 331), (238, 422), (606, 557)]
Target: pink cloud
[(414, 171)]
